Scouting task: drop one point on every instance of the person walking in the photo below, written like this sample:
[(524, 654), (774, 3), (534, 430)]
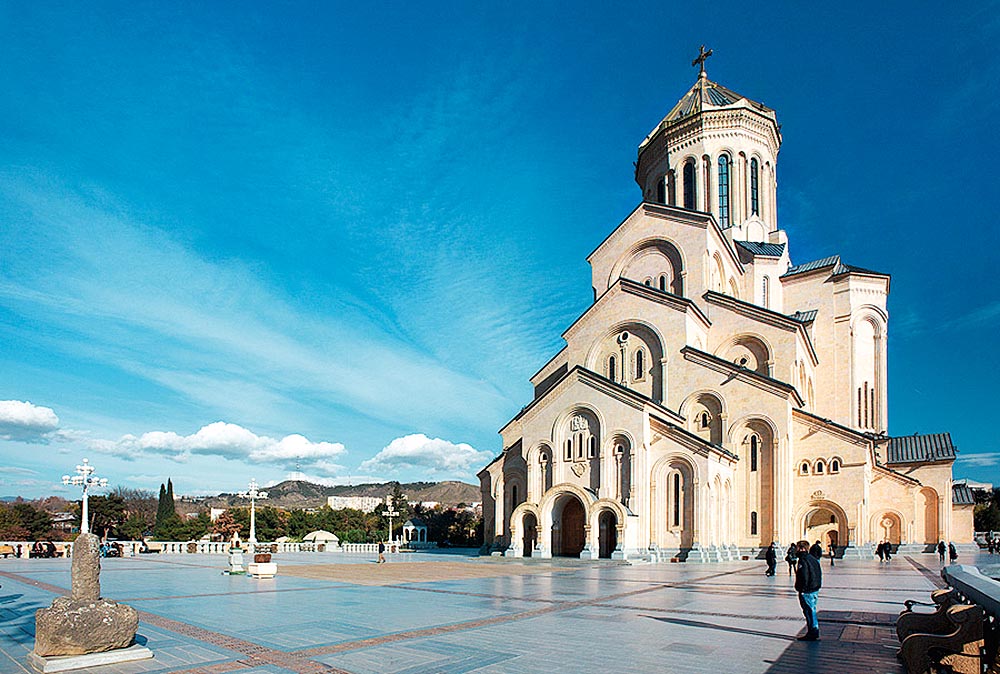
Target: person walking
[(808, 580), (771, 557), (833, 553), (816, 550), (941, 552), (791, 556), (381, 553), (888, 550), (952, 553), (880, 551)]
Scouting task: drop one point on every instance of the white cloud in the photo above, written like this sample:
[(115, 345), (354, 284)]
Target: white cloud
[(435, 456), (26, 422), (229, 441), (981, 460)]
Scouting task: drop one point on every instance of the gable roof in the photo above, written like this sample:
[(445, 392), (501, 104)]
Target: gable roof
[(741, 373), (762, 249), (961, 495), (834, 261), (920, 448), (768, 316)]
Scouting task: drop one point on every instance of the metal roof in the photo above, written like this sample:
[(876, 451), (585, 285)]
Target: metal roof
[(810, 266), (920, 448), (707, 94), (804, 316), (962, 495), (766, 249)]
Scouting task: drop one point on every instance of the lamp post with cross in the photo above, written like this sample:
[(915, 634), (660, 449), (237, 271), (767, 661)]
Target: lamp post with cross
[(254, 494), (85, 478), (390, 512)]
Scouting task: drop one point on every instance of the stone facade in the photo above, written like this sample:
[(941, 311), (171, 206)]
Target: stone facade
[(715, 397)]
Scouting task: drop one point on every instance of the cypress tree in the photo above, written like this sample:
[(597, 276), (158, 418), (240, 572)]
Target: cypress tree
[(161, 513), (171, 509)]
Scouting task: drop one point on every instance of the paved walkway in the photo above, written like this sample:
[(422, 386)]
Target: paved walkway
[(436, 612)]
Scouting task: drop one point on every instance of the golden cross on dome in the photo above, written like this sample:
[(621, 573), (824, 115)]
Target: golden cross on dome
[(700, 61)]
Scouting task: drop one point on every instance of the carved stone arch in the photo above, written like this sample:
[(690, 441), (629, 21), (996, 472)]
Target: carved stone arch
[(594, 354), (761, 353), (869, 312), (675, 480), (522, 540), (666, 247), (563, 417), (694, 410), (896, 533), (641, 334), (748, 420), (587, 497), (718, 274), (806, 510), (619, 510)]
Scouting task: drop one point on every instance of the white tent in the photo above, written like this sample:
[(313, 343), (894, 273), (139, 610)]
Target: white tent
[(321, 537), (282, 539)]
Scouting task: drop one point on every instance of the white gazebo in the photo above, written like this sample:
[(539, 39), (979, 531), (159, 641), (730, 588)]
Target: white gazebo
[(414, 531), (321, 536)]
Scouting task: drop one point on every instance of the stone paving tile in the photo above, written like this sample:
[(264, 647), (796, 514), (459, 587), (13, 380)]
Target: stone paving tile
[(546, 617)]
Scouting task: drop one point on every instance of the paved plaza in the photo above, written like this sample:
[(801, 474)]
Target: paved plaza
[(449, 612)]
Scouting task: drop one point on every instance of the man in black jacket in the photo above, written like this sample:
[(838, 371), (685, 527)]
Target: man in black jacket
[(808, 580), (771, 557)]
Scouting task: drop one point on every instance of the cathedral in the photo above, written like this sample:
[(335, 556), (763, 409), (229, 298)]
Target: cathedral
[(716, 397)]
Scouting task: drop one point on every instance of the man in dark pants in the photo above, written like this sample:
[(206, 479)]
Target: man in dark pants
[(808, 580), (771, 557)]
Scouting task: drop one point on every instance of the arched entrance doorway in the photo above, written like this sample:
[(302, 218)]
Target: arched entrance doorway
[(825, 522), (568, 519), (530, 527), (607, 529)]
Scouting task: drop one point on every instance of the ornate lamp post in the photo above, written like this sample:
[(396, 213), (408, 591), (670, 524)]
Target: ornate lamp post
[(390, 512), (254, 495), (85, 478)]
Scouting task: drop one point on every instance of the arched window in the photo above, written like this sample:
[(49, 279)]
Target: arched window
[(612, 370), (754, 442), (578, 442), (723, 191), (835, 466), (754, 187), (592, 450), (804, 468), (640, 364), (569, 449), (819, 467), (765, 293), (513, 495), (649, 282), (677, 500), (704, 421), (753, 523), (663, 282), (661, 190), (689, 186)]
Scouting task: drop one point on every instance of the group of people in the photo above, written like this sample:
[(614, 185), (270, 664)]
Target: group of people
[(992, 544), (883, 551), (46, 550), (792, 556), (803, 562), (952, 552)]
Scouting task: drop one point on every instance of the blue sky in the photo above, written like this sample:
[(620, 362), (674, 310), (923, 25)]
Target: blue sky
[(238, 239)]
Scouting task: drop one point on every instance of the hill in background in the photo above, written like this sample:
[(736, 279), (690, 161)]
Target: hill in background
[(301, 494)]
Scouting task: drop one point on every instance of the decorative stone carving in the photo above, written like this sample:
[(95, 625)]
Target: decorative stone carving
[(83, 622)]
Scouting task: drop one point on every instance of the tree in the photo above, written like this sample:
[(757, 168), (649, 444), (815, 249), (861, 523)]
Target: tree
[(165, 511), (37, 522), (225, 525), (107, 513)]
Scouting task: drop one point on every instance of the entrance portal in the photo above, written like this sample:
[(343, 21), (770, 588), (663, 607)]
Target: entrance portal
[(607, 534), (568, 538), (530, 526), (822, 525)]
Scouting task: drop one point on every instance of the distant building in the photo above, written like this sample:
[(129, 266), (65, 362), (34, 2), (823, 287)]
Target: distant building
[(64, 522), (365, 504)]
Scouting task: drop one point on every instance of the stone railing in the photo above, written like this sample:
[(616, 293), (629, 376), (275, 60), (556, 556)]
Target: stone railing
[(132, 548)]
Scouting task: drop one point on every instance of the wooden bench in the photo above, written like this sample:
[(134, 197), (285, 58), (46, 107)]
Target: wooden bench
[(7, 551)]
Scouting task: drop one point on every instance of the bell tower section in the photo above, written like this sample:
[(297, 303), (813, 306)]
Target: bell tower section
[(715, 152)]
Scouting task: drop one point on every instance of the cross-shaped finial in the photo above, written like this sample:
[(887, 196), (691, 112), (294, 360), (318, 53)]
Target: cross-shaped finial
[(700, 61)]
